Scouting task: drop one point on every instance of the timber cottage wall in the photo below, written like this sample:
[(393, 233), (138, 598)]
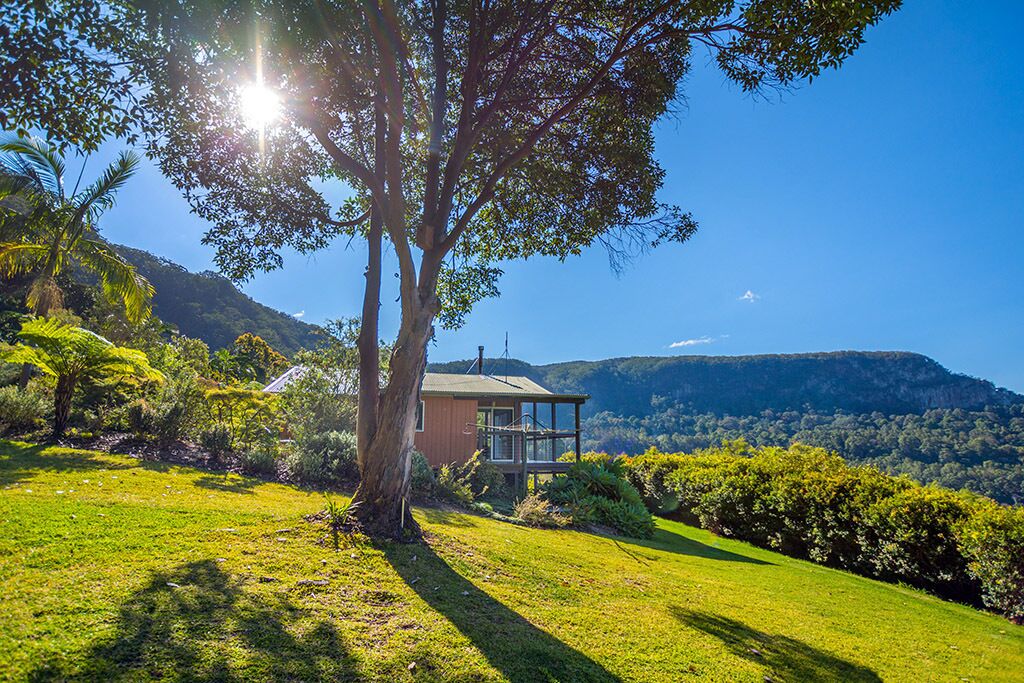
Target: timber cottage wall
[(444, 438)]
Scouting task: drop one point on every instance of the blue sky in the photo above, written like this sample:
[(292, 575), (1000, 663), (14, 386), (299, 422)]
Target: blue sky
[(880, 207)]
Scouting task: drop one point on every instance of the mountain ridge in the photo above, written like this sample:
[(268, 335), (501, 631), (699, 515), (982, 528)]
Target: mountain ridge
[(896, 382), (210, 307)]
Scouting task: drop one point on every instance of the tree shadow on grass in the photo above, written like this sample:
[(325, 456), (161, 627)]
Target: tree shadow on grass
[(672, 542), (519, 650), (195, 623), (20, 463), (446, 516), (787, 658), (228, 483)]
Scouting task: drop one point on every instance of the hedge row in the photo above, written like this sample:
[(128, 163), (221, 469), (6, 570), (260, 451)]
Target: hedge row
[(808, 503)]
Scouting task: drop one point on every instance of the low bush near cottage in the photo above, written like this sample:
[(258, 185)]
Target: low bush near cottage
[(597, 493), (453, 485), (807, 502), (326, 458), (537, 511), (475, 479), (261, 461), (423, 481)]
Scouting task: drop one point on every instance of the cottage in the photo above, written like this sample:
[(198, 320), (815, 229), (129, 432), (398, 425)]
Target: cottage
[(517, 424)]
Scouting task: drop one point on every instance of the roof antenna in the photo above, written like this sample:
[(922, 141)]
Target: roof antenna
[(506, 355)]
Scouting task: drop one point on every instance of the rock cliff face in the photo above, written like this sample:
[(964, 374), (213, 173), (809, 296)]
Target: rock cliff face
[(853, 381)]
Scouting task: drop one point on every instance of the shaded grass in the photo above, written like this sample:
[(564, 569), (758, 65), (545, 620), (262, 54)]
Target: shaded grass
[(116, 569)]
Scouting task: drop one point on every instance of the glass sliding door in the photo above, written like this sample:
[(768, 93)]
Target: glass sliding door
[(496, 445)]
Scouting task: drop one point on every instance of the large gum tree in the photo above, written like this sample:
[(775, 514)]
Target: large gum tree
[(469, 132)]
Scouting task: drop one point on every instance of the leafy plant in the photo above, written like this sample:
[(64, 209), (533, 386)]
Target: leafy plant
[(44, 230), (338, 515), (260, 460), (329, 457), (216, 440), (249, 415), (72, 354), (423, 480), (595, 492), (535, 510), (993, 543), (453, 485), (21, 409)]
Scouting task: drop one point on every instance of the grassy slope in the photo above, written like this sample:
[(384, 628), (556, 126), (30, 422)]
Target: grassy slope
[(90, 545)]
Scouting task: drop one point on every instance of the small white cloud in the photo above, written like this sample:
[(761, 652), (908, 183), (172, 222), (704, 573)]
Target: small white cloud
[(749, 297), (299, 314), (691, 342)]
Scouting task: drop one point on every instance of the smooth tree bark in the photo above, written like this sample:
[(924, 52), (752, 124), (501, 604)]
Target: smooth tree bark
[(472, 132)]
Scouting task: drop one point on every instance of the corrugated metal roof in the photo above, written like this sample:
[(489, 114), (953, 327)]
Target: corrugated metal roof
[(279, 383), (481, 385), (445, 384)]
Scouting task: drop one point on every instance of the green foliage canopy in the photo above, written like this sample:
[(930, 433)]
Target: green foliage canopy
[(44, 229), (72, 354)]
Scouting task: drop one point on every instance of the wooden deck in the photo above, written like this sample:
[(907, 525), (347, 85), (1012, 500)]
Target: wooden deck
[(532, 467)]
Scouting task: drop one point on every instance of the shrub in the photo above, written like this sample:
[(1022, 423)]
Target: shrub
[(329, 457), (597, 493), (141, 418), (22, 409), (647, 473), (453, 485), (216, 440), (260, 461), (464, 483), (483, 477), (249, 415), (807, 502), (911, 537), (318, 398), (422, 475), (992, 541), (179, 409), (534, 510)]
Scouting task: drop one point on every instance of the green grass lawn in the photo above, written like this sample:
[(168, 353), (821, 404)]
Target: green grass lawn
[(115, 569)]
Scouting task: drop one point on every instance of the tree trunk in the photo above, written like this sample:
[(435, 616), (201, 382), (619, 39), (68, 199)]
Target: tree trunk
[(26, 375), (368, 343), (62, 404), (383, 493)]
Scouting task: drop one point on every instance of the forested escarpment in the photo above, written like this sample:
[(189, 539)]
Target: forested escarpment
[(900, 411), (209, 307), (852, 381)]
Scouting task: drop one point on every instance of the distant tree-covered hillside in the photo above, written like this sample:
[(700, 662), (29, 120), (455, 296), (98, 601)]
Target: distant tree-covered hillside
[(903, 412), (209, 306), (852, 381)]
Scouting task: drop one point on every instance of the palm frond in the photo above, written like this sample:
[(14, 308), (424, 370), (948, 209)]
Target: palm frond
[(36, 159), (119, 279), (20, 257), (99, 196), (14, 188)]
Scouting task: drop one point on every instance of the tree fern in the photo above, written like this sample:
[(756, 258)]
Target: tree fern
[(72, 354)]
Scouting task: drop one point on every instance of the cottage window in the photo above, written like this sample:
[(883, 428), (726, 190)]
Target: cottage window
[(419, 417)]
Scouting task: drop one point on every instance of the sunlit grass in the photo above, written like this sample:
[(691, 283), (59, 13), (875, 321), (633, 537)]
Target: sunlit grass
[(114, 569)]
